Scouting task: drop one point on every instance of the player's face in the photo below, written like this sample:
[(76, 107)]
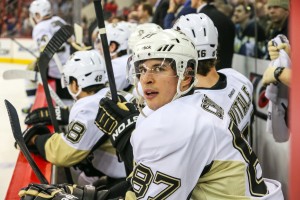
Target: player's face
[(159, 82)]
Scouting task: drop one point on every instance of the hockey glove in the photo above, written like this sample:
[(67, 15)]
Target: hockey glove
[(41, 115), (116, 119), (44, 192), (29, 133), (62, 192)]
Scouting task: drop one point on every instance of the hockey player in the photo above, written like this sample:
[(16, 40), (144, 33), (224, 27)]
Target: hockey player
[(181, 150), (227, 88), (83, 145), (44, 26), (117, 36)]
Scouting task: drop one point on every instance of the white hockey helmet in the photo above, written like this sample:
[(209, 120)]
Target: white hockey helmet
[(168, 44), (140, 31), (87, 67), (202, 31), (42, 7), (119, 33)]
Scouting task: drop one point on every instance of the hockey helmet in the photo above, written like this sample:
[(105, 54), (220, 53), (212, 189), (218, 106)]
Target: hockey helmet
[(202, 31)]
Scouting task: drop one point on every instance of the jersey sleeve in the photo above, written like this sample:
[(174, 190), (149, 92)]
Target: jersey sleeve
[(171, 151), (73, 146)]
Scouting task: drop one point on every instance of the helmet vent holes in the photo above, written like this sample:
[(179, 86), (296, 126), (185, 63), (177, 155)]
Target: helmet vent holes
[(204, 30), (193, 33), (149, 54), (77, 59), (165, 48), (171, 47), (86, 75), (92, 61)]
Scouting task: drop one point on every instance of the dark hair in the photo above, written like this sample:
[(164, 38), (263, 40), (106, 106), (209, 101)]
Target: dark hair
[(148, 8), (120, 53), (90, 89), (248, 7), (204, 66)]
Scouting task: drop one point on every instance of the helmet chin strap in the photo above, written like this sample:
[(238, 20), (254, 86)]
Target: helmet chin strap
[(74, 96)]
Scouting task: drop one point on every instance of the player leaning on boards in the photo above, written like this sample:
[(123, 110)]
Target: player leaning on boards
[(227, 89), (44, 26), (181, 150), (83, 144), (201, 143)]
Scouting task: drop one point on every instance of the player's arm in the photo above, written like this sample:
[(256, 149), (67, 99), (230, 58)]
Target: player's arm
[(277, 74)]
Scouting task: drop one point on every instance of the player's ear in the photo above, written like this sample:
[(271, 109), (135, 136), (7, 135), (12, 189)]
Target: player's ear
[(188, 78)]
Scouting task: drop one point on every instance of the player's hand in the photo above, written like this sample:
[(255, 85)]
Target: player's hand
[(41, 115), (116, 119), (44, 192), (274, 50), (268, 76), (31, 133)]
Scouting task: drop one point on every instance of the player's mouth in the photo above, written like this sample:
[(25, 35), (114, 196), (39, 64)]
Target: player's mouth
[(150, 94)]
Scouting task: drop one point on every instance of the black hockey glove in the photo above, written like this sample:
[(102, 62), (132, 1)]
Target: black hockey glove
[(41, 115), (116, 119), (44, 192), (62, 192), (29, 133)]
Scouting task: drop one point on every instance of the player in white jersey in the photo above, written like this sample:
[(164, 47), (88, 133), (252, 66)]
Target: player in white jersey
[(117, 36), (181, 150), (228, 88), (44, 27), (83, 145)]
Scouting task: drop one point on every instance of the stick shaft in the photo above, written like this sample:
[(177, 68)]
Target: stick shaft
[(109, 68)]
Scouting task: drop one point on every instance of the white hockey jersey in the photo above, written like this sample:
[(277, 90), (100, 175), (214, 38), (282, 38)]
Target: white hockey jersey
[(183, 151), (233, 96), (119, 68), (71, 148), (42, 33)]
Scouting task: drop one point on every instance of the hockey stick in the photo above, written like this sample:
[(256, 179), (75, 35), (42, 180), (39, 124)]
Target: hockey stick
[(102, 32), (33, 76), (60, 37), (26, 49), (78, 34), (16, 129)]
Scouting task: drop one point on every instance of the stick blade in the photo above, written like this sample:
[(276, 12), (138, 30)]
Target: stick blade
[(19, 74), (78, 33), (60, 37), (14, 120), (17, 133)]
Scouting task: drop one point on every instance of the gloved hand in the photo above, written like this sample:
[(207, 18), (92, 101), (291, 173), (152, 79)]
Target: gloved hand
[(44, 192), (30, 133), (274, 50), (41, 115), (268, 76), (62, 192), (116, 119)]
